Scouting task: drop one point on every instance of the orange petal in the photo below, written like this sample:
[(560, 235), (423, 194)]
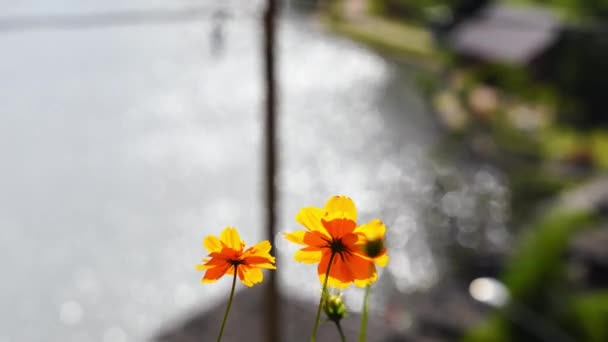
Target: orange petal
[(363, 270), (340, 270), (310, 218), (337, 228), (338, 277), (215, 273), (210, 263), (230, 271), (350, 241), (367, 281), (260, 261), (212, 244), (226, 253), (373, 230), (316, 239), (231, 238), (340, 207)]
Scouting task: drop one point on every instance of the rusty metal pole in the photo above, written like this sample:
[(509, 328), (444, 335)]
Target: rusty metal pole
[(271, 300)]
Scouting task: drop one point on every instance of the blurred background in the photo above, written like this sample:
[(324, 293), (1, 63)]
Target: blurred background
[(475, 129)]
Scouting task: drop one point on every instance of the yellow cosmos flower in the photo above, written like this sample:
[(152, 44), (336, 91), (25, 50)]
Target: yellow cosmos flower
[(372, 241), (227, 255), (332, 235)]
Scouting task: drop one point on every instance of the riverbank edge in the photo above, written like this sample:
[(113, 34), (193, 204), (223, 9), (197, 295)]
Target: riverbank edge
[(408, 43)]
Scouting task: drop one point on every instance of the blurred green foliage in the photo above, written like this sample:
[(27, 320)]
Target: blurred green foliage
[(541, 291), (574, 8), (589, 315), (423, 10), (562, 143), (419, 9), (538, 264)]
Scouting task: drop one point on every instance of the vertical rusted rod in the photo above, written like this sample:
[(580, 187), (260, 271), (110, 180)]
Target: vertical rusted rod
[(271, 299)]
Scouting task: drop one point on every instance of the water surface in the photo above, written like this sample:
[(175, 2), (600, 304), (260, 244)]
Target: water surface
[(123, 146)]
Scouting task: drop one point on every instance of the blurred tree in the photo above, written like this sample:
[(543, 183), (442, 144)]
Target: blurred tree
[(581, 8), (577, 63), (420, 10)]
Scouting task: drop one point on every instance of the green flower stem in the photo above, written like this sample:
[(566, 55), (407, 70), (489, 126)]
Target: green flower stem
[(340, 331), (219, 337), (316, 327), (364, 315)]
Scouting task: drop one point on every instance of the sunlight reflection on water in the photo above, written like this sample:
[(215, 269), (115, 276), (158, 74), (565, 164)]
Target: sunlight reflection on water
[(125, 146)]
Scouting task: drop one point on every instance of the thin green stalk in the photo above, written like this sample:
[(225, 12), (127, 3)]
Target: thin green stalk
[(340, 331), (314, 329), (219, 337), (364, 315)]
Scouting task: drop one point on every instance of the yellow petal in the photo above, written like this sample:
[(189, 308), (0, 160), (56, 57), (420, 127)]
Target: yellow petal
[(230, 237), (295, 237), (310, 218), (212, 243), (268, 266), (382, 260), (250, 275), (364, 282), (308, 256), (262, 247), (263, 261), (374, 229), (340, 207), (333, 282)]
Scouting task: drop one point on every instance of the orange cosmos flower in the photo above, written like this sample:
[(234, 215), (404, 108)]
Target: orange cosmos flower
[(226, 255), (333, 231)]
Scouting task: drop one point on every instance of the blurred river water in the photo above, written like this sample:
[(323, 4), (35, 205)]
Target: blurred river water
[(123, 146)]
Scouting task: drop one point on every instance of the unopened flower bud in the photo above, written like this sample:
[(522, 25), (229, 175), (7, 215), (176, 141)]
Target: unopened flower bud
[(334, 307)]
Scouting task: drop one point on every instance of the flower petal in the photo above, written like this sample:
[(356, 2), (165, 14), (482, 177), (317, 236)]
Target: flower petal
[(215, 273), (212, 244), (295, 237), (373, 276), (340, 207), (374, 229), (346, 269), (316, 239), (363, 270), (338, 276), (250, 275), (338, 228), (226, 253), (382, 260), (308, 255), (310, 218), (230, 271), (231, 238), (210, 263), (261, 247), (260, 261)]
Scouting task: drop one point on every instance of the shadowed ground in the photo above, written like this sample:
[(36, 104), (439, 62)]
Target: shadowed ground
[(245, 322)]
